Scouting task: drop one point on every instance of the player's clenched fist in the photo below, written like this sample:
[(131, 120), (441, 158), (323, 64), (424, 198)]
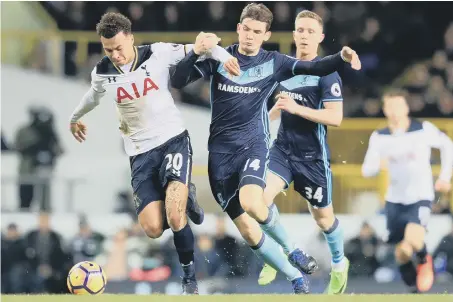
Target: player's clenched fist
[(79, 131), (285, 102), (442, 186), (232, 67), (352, 57), (205, 42)]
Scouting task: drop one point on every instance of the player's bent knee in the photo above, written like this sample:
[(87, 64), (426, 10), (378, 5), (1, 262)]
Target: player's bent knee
[(274, 185), (250, 196), (152, 230), (415, 235), (151, 219), (248, 207), (403, 252)]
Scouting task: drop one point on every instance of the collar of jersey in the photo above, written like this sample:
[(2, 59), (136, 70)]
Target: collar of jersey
[(317, 58), (134, 64), (248, 58)]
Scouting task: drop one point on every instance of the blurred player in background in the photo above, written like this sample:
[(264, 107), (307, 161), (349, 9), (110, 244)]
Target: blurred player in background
[(239, 136), (307, 105), (137, 79), (405, 146)]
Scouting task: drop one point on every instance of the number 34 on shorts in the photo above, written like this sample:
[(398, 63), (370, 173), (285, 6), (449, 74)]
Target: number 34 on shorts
[(313, 195)]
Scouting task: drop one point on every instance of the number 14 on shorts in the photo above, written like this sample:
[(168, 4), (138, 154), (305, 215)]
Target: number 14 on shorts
[(316, 196), (252, 164)]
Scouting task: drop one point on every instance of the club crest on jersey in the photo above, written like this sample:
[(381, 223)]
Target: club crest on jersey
[(304, 80), (308, 80), (146, 70), (124, 92), (256, 72)]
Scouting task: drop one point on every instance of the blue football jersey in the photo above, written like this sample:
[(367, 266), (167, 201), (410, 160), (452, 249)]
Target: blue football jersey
[(300, 138), (239, 104)]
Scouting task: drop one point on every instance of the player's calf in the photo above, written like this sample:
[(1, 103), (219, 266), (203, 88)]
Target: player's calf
[(269, 251), (403, 256), (249, 229), (333, 232), (325, 222), (252, 201), (251, 196), (175, 205), (303, 262), (414, 235), (183, 238)]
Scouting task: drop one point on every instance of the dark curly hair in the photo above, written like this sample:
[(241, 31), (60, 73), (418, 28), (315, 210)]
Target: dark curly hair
[(258, 12), (112, 24)]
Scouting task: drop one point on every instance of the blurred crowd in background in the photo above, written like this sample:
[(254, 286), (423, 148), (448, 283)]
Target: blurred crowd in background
[(39, 260), (409, 45)]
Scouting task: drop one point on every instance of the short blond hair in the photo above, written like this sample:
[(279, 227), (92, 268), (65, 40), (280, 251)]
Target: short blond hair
[(311, 15)]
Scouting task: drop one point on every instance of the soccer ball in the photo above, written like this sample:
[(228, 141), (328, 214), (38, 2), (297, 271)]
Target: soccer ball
[(86, 278)]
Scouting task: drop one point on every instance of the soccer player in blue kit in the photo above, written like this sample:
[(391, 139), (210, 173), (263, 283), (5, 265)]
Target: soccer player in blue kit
[(239, 136), (307, 104)]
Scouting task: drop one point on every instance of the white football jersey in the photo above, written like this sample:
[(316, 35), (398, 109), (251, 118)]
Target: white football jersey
[(148, 116), (408, 157)]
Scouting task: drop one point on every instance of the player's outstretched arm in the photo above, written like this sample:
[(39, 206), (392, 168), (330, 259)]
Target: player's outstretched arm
[(197, 64), (186, 72), (207, 44), (289, 67), (329, 64), (441, 141), (89, 101), (219, 54), (372, 162)]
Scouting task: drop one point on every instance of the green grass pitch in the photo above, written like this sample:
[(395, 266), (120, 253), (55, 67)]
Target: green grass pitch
[(228, 298)]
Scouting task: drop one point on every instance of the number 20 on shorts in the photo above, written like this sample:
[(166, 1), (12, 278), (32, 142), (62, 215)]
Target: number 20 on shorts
[(174, 162)]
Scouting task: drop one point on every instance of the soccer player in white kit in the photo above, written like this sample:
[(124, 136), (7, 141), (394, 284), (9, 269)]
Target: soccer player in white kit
[(405, 147), (158, 145)]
